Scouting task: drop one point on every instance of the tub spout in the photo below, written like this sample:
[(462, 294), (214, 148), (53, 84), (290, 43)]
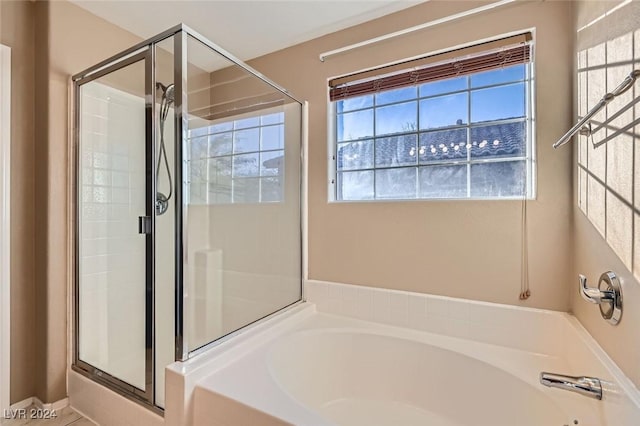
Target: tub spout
[(587, 386)]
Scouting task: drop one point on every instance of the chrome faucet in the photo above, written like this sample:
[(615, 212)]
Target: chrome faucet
[(587, 386)]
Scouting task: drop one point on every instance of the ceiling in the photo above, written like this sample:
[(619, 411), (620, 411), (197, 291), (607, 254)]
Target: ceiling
[(246, 28)]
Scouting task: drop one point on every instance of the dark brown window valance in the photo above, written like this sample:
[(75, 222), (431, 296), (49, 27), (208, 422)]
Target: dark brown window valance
[(469, 60)]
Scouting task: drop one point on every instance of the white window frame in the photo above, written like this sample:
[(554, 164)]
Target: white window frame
[(529, 158)]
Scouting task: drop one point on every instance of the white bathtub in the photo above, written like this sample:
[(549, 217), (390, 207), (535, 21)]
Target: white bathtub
[(309, 367)]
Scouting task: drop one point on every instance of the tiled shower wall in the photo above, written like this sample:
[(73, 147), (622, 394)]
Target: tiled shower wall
[(112, 185), (609, 175)]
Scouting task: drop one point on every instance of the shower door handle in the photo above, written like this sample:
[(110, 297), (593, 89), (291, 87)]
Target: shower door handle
[(144, 225)]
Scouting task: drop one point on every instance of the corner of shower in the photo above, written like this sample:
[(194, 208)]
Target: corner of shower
[(188, 198)]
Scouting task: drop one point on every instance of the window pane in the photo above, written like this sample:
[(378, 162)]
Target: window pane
[(198, 148), (354, 103), (198, 171), (499, 140), (502, 179), (198, 193), (355, 155), (278, 117), (443, 86), (271, 189), (221, 127), (245, 165), (443, 111), (498, 103), (219, 180), (396, 183), (443, 145), (220, 194), (355, 125), (396, 118), (355, 185), (396, 95), (272, 137), (246, 122), (443, 181), (220, 144), (504, 75), (272, 163), (198, 131), (219, 168), (246, 140), (396, 151), (246, 190)]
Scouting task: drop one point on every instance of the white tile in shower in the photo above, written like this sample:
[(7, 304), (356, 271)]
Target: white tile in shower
[(438, 307), (316, 291), (335, 292), (398, 301), (417, 305)]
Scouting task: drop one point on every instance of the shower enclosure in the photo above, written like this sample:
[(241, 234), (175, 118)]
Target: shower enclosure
[(187, 207)]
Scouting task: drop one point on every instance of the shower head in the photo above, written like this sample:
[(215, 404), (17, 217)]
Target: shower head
[(167, 92)]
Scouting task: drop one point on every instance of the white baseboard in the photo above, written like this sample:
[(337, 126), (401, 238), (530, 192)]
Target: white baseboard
[(22, 404), (51, 406), (34, 400)]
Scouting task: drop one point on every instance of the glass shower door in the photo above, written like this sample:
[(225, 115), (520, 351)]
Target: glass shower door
[(115, 223)]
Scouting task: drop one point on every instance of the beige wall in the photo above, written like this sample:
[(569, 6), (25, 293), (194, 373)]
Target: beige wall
[(17, 32), (607, 179), (75, 40), (468, 249)]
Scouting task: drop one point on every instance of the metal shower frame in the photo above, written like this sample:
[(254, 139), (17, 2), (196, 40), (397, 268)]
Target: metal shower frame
[(145, 51)]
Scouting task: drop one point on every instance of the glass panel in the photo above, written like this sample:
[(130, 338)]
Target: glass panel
[(355, 155), (271, 163), (397, 95), (242, 259), (219, 144), (112, 254), (498, 103), (396, 151), (246, 191), (443, 111), (355, 125), (246, 122), (499, 140), (271, 189), (443, 181), (499, 179), (443, 86), (355, 185), (444, 145), (272, 137), (246, 165), (246, 140), (351, 104), (503, 75), (396, 118), (165, 224), (275, 118), (396, 183)]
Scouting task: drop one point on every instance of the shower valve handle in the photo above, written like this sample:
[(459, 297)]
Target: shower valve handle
[(608, 296), (594, 295)]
